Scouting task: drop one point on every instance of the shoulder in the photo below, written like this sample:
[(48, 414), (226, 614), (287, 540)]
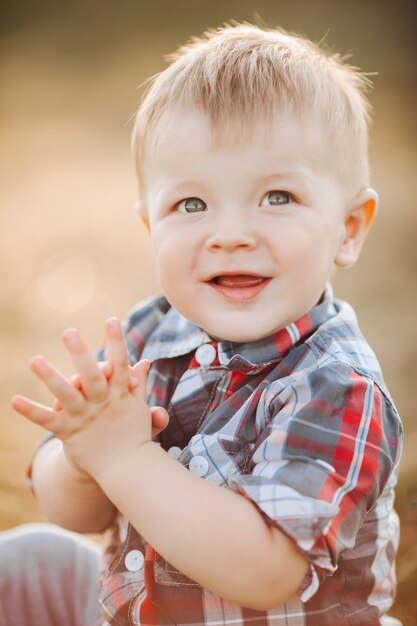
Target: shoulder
[(338, 352), (339, 340), (336, 379)]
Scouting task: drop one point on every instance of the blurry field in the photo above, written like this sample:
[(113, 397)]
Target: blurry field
[(73, 252)]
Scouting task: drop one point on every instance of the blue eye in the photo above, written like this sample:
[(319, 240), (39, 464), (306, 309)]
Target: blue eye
[(191, 205), (276, 198)]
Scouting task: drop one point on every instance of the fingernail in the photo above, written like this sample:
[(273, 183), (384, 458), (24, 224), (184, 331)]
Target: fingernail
[(17, 401), (38, 364), (113, 324), (71, 338), (144, 367)]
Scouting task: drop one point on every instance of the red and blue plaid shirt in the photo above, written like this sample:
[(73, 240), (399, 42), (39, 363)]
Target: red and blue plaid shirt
[(301, 424)]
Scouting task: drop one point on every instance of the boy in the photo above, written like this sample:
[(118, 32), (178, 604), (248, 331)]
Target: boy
[(268, 496)]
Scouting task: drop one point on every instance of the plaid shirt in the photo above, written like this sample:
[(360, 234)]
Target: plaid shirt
[(302, 425)]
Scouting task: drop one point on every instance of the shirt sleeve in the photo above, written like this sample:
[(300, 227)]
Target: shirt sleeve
[(331, 444)]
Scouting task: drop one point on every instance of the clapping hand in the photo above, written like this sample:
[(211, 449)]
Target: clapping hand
[(101, 413)]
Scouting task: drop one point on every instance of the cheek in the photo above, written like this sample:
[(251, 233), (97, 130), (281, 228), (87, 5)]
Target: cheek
[(305, 250), (292, 244), (176, 249), (171, 262)]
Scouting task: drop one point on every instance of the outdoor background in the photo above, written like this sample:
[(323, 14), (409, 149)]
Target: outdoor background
[(73, 252)]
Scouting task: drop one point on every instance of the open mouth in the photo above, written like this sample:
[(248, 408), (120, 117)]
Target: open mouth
[(239, 286), (238, 280)]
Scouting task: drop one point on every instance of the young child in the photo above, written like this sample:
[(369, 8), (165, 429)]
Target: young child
[(268, 496)]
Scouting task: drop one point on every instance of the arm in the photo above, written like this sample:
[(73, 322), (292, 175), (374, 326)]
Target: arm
[(204, 530), (67, 496)]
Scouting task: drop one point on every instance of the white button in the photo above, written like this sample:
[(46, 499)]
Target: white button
[(205, 354), (134, 560), (199, 465), (175, 452)]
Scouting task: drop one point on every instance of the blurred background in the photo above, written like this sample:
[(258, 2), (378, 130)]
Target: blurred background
[(73, 251)]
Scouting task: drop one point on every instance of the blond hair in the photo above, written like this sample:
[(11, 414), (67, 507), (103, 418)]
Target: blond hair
[(241, 73)]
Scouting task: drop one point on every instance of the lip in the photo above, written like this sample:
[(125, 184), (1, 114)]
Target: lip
[(240, 293)]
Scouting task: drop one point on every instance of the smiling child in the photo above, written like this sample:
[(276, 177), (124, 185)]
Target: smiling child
[(243, 466)]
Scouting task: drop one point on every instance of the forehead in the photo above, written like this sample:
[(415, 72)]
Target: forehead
[(186, 140)]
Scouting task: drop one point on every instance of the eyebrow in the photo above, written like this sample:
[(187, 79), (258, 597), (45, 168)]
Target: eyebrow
[(187, 182), (297, 174), (175, 188)]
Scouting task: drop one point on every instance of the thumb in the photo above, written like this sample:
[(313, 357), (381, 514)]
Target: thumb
[(138, 377), (160, 419)]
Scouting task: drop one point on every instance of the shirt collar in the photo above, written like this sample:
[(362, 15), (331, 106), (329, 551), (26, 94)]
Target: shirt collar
[(176, 336)]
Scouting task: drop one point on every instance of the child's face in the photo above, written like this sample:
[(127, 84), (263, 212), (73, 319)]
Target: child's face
[(245, 237)]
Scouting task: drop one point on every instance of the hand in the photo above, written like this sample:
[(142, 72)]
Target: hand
[(104, 421), (160, 417)]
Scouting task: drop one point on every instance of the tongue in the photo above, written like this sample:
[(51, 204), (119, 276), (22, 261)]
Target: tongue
[(240, 280)]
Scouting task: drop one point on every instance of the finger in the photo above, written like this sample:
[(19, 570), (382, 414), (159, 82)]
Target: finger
[(106, 368), (134, 376), (76, 383), (139, 376), (93, 382), (75, 380), (133, 380), (117, 352), (60, 387), (38, 413), (160, 419)]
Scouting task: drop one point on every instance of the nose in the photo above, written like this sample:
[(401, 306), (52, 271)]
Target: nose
[(230, 232)]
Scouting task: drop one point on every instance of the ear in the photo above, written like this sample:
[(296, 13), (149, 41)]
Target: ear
[(140, 209), (357, 223)]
